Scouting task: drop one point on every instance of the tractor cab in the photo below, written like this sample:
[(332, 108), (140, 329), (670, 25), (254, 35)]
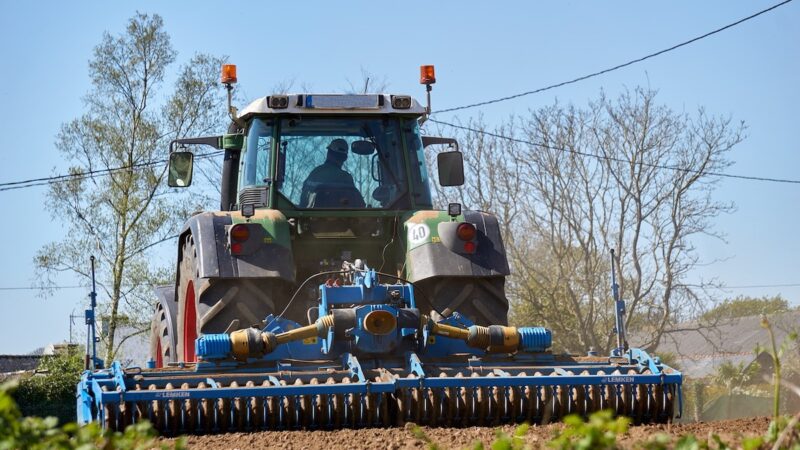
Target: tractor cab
[(302, 153), (333, 152)]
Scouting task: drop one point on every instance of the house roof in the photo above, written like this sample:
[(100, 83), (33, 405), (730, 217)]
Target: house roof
[(17, 363), (701, 347)]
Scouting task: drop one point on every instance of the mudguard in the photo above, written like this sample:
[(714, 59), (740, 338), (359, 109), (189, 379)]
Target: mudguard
[(273, 259), (430, 254)]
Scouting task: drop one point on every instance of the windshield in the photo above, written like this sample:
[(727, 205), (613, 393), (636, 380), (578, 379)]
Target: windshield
[(342, 163)]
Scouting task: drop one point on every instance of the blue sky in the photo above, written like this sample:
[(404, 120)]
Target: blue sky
[(481, 50)]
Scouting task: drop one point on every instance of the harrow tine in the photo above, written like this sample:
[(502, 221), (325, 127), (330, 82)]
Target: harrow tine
[(223, 413), (206, 415), (255, 409)]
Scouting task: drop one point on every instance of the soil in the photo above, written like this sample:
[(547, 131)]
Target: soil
[(730, 431)]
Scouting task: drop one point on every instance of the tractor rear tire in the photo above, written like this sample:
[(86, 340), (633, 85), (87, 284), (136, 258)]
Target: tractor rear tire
[(162, 339), (481, 300), (212, 305)]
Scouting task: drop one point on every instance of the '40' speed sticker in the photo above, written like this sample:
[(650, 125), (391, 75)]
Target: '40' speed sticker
[(419, 233)]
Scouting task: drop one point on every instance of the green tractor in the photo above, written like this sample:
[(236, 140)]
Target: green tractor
[(328, 292), (311, 184)]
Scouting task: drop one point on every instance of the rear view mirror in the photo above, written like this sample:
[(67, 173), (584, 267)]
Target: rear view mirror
[(180, 169), (451, 168), (364, 148)]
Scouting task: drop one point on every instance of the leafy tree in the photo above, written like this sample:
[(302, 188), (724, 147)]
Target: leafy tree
[(121, 214), (52, 393), (731, 376), (743, 306)]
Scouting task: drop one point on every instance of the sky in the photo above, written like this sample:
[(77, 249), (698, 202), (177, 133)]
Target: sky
[(482, 50)]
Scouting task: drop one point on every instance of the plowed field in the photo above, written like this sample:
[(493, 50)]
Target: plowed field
[(731, 431)]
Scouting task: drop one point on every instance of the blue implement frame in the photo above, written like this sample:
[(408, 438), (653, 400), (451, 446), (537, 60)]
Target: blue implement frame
[(114, 386)]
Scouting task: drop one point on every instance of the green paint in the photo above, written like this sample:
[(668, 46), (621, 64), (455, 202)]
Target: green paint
[(232, 141), (419, 231), (411, 235), (426, 231)]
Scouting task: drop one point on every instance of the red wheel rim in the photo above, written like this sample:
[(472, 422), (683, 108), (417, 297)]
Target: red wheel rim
[(159, 358), (189, 324)]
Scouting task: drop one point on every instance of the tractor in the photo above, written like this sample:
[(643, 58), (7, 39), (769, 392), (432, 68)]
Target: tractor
[(278, 224), (328, 291)]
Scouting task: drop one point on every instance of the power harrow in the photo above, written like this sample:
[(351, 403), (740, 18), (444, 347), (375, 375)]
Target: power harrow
[(372, 358)]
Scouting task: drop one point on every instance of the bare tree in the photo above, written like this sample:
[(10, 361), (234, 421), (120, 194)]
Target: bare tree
[(491, 170), (367, 83), (124, 214), (626, 174)]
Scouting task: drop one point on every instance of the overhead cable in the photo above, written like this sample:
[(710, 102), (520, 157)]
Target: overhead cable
[(617, 67), (12, 185), (620, 160)]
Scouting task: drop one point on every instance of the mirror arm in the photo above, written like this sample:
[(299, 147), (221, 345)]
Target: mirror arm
[(436, 140), (213, 141)]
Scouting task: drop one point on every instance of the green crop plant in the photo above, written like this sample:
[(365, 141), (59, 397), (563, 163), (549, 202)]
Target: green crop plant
[(599, 432), (776, 352), (17, 432), (505, 441)]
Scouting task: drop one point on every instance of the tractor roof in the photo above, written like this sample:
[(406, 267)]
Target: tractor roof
[(378, 104)]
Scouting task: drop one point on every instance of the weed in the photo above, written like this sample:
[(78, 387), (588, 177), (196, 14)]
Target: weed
[(38, 433), (599, 432), (419, 433), (504, 441)]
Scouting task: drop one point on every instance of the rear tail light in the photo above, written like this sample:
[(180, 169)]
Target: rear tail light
[(469, 247), (239, 233), (245, 238), (466, 231)]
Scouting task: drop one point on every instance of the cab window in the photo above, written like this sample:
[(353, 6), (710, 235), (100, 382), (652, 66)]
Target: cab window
[(342, 163), (255, 164)]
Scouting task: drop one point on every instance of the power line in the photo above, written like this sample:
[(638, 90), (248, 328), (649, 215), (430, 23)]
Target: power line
[(91, 174), (620, 160), (38, 288), (12, 185), (76, 176), (35, 288), (619, 66), (755, 286), (47, 180)]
